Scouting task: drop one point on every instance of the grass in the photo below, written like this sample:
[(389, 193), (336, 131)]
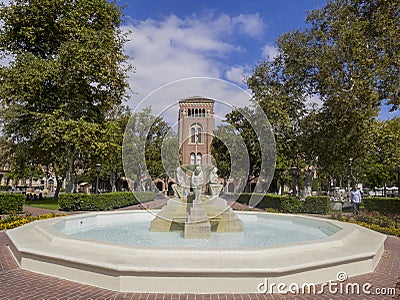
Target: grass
[(48, 203)]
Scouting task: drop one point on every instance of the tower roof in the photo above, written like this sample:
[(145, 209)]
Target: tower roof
[(196, 99)]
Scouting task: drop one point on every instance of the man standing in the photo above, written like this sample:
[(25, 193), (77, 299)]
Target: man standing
[(355, 198)]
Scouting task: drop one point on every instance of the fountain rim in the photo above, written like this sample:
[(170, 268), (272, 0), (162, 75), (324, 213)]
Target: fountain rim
[(39, 247)]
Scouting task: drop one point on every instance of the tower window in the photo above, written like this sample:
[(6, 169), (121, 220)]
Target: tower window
[(199, 158), (196, 133), (193, 135)]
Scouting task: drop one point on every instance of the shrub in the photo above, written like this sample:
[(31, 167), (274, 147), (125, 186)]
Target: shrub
[(291, 205), (317, 205), (96, 202), (275, 202), (388, 224), (11, 203), (287, 204), (268, 201), (383, 205)]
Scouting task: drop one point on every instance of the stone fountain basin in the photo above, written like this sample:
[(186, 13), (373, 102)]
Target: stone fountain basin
[(41, 248)]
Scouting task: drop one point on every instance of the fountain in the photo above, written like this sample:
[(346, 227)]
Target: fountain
[(117, 251), (206, 213), (219, 251)]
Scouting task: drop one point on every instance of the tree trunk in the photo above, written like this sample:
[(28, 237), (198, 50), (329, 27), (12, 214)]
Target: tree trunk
[(69, 186), (112, 181), (282, 187), (59, 184)]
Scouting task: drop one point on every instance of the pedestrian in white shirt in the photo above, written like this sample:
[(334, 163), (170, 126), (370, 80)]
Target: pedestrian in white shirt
[(355, 198)]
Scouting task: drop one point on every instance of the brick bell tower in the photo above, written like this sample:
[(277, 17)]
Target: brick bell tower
[(196, 130)]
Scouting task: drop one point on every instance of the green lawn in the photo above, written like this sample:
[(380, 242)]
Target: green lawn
[(48, 203)]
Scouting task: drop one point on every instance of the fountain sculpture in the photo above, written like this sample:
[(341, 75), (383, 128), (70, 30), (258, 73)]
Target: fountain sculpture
[(197, 214)]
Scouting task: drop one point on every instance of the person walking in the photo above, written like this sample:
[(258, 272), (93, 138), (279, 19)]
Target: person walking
[(355, 198)]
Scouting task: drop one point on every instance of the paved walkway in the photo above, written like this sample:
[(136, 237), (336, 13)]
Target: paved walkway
[(16, 283)]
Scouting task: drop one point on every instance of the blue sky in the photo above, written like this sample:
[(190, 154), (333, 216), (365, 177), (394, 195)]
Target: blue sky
[(173, 40)]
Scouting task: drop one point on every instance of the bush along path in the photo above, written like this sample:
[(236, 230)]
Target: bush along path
[(384, 223), (13, 221)]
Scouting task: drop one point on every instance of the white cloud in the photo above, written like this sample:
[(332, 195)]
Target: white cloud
[(174, 48), (269, 52), (251, 24), (237, 74)]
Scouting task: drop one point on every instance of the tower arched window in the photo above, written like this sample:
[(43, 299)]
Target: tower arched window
[(193, 135), (198, 162), (200, 135), (196, 133)]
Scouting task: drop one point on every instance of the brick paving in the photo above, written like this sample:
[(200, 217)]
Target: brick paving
[(16, 283)]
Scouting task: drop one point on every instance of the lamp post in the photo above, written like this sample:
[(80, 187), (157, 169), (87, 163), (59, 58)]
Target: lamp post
[(293, 170), (349, 176), (31, 175), (98, 169)]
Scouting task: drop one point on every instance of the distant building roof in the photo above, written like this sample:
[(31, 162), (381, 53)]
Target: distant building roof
[(196, 99)]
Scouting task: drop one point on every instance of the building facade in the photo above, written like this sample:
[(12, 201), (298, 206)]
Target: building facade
[(196, 130)]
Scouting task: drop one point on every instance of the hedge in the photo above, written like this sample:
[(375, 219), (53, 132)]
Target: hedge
[(97, 202), (291, 205), (317, 205), (268, 200), (382, 205), (287, 204), (11, 203)]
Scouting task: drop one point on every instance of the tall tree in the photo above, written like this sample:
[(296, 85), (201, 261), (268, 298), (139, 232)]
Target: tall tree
[(68, 72), (281, 96), (142, 146), (348, 57)]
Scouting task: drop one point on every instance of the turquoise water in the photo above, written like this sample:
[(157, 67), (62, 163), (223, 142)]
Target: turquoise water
[(258, 232)]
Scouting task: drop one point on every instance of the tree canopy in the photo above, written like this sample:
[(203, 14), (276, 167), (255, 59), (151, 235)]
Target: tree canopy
[(67, 73), (347, 58)]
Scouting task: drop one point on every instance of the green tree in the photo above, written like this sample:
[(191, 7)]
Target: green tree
[(154, 141), (227, 149), (282, 98), (68, 72), (383, 159), (110, 151), (142, 146), (348, 57)]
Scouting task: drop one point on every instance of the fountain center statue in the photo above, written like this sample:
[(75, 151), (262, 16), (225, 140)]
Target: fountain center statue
[(202, 215), (197, 182), (180, 186)]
